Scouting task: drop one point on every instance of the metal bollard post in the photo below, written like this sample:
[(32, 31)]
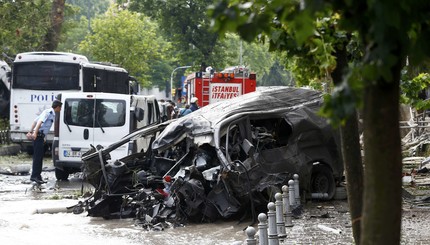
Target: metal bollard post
[(291, 193), (262, 229), (288, 216), (271, 216), (296, 189), (250, 233), (279, 217)]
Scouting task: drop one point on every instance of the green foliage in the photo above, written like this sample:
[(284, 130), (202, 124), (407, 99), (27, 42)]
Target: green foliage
[(79, 14), (23, 25), (187, 26), (413, 91), (277, 76), (89, 8), (254, 55), (310, 43), (128, 39), (344, 100), (310, 33), (74, 33), (4, 123)]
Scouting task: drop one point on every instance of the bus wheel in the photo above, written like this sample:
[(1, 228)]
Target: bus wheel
[(322, 181), (61, 174)]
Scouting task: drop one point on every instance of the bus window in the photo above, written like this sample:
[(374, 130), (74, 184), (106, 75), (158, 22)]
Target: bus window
[(99, 80)]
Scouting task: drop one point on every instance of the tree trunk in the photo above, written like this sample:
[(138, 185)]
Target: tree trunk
[(57, 17), (354, 172), (351, 152), (381, 220)]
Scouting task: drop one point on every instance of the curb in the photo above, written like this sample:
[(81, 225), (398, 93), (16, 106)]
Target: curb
[(9, 150)]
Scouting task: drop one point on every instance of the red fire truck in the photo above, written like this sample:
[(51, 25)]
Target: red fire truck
[(210, 87)]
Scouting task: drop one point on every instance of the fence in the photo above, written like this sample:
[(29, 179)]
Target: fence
[(4, 137)]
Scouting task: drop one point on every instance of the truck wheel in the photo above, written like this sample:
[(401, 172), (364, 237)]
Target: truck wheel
[(61, 174), (322, 181)]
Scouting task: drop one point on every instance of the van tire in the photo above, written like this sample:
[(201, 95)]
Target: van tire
[(322, 181), (61, 174)]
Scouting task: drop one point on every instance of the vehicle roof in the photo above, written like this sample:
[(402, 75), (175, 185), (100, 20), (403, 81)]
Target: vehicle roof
[(104, 66), (50, 56), (269, 100)]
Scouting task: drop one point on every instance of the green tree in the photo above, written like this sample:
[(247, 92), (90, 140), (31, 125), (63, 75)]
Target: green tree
[(311, 54), (414, 91), (23, 25), (77, 25), (253, 55), (390, 32), (187, 25), (277, 76), (128, 39)]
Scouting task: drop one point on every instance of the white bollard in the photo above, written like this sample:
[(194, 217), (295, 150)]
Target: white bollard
[(296, 189), (291, 193), (262, 229), (288, 216), (279, 216), (250, 233), (271, 216)]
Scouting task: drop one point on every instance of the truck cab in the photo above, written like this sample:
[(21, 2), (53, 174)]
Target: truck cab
[(91, 119)]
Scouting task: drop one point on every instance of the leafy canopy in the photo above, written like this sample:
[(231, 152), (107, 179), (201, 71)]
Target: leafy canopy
[(128, 39)]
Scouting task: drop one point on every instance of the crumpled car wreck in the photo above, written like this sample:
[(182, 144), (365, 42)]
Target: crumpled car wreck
[(225, 160)]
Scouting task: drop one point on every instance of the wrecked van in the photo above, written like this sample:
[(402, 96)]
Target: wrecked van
[(225, 160)]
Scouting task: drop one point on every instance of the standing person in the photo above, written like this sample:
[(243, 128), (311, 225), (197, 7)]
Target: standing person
[(173, 110), (39, 129), (185, 111), (193, 104)]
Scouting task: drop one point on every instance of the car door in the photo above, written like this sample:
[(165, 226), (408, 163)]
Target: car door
[(111, 122)]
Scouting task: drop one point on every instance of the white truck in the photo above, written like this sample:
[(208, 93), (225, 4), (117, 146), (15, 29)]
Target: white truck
[(91, 119)]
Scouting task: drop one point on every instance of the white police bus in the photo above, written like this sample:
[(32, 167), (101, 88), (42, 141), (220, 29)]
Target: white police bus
[(38, 77)]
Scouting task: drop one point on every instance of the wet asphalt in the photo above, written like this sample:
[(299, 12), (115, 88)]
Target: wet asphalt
[(21, 223)]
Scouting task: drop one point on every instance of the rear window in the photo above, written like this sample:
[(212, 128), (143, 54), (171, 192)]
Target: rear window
[(46, 76)]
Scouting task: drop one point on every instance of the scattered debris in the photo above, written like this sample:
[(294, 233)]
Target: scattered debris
[(16, 169), (329, 229)]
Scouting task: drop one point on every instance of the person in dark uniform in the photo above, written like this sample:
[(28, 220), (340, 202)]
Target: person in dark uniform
[(39, 129), (194, 104)]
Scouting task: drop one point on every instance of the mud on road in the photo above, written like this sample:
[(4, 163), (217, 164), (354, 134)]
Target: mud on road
[(20, 222)]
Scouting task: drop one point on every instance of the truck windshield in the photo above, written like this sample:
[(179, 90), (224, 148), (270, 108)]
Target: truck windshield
[(94, 112)]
